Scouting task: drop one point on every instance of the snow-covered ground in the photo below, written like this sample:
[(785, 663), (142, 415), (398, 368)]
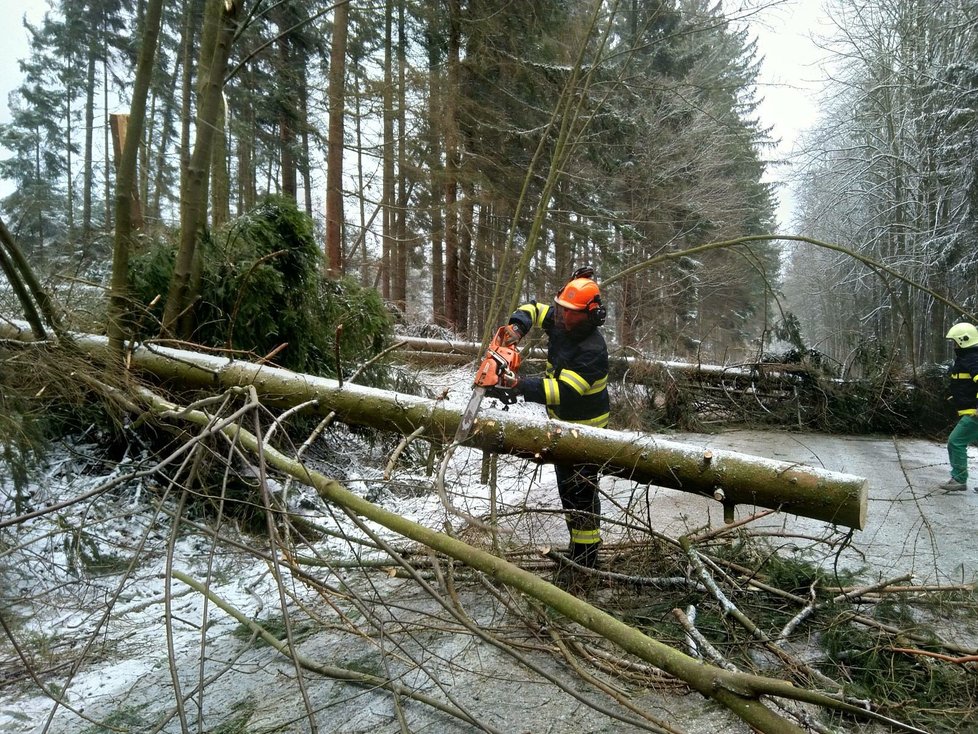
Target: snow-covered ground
[(130, 661)]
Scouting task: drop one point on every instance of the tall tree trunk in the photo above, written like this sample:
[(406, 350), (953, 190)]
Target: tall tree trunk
[(334, 152), (451, 167), (126, 179), (435, 184), (390, 246), (192, 16), (247, 190), (106, 146), (69, 147), (145, 149), (467, 222), (361, 191), (304, 127), (38, 176), (563, 251), (286, 113), (220, 176), (220, 186), (193, 200), (88, 182), (245, 140), (400, 232), (482, 265), (154, 197)]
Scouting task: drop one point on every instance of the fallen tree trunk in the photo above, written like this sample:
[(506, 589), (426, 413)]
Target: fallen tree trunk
[(633, 369), (739, 692), (729, 477)]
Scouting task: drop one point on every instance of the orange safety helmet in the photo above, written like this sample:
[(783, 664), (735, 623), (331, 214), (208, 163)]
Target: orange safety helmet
[(581, 294)]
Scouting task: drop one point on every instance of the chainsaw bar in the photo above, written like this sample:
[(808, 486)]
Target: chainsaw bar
[(471, 411)]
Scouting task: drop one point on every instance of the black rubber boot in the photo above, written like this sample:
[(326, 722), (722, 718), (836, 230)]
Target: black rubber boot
[(585, 554)]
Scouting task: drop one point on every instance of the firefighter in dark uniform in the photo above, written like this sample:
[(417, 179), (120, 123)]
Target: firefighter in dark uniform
[(963, 394), (575, 389)]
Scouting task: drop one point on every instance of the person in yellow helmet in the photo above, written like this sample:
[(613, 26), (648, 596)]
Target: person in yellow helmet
[(963, 395), (574, 388)]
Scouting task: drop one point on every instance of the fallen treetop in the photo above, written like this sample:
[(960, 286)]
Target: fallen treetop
[(430, 350), (726, 476)]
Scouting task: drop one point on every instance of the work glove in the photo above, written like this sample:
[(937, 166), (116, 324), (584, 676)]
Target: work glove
[(506, 395)]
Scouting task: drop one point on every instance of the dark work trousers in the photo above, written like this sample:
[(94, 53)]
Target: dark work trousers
[(578, 488)]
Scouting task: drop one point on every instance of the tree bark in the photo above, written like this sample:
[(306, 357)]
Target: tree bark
[(20, 290), (193, 200), (125, 207), (334, 144), (119, 126), (88, 177), (25, 276), (450, 101), (728, 476), (640, 371), (435, 183), (286, 110)]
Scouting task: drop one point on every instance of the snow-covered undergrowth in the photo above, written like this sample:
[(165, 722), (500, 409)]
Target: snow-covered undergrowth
[(100, 620), (130, 621)]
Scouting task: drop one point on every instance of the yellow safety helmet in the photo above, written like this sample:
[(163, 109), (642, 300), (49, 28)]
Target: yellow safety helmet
[(964, 335)]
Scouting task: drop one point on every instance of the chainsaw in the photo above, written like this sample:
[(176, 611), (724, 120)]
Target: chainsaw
[(502, 360)]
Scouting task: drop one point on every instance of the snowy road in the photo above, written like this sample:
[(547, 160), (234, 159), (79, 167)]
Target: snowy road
[(912, 526)]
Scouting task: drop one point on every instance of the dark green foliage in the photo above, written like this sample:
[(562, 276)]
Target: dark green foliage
[(936, 696), (794, 574), (788, 329), (129, 718), (887, 404), (275, 626), (365, 320), (150, 270), (20, 441), (798, 389), (238, 723), (261, 288)]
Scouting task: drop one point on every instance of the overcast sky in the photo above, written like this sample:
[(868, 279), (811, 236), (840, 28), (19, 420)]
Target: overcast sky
[(791, 80), (789, 76), (14, 45), (12, 49)]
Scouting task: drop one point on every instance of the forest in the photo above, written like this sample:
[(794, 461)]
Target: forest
[(317, 188), (433, 147)]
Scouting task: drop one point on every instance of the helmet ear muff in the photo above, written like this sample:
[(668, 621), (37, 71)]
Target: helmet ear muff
[(572, 296), (596, 313)]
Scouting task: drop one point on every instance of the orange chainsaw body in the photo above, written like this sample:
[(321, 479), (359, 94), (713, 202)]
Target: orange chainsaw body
[(501, 359)]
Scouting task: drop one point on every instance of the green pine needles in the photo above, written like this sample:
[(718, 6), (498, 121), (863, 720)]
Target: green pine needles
[(261, 292)]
